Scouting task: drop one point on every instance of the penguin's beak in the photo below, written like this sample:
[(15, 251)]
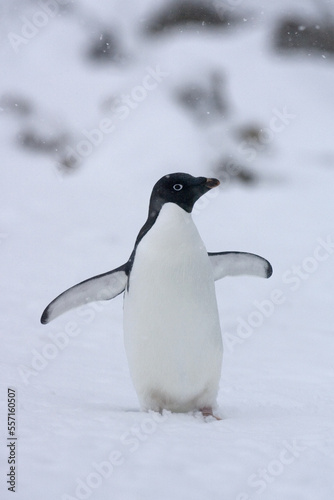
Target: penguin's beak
[(211, 183)]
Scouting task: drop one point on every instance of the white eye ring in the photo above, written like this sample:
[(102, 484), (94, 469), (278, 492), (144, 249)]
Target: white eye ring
[(177, 187)]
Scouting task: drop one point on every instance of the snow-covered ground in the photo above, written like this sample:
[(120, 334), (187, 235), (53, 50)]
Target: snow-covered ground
[(80, 432)]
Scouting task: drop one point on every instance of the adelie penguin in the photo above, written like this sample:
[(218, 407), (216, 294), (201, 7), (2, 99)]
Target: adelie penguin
[(171, 325)]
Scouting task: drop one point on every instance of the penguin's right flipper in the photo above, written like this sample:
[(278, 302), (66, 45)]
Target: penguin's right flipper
[(102, 287), (239, 263)]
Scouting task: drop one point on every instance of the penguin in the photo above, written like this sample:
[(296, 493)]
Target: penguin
[(171, 324)]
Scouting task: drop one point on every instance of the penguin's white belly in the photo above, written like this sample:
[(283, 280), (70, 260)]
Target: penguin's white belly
[(171, 324)]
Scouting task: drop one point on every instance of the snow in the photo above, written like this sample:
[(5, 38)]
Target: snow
[(80, 432)]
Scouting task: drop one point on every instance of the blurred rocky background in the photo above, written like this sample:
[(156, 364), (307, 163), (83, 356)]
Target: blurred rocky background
[(81, 77)]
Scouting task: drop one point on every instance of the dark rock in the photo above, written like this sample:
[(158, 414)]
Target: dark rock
[(250, 133), (15, 104), (205, 101), (105, 48), (306, 35), (34, 141), (229, 170), (187, 13)]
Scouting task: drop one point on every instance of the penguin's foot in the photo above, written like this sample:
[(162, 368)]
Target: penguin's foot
[(207, 412)]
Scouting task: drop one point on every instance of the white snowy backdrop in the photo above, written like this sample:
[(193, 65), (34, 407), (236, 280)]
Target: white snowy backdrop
[(97, 101)]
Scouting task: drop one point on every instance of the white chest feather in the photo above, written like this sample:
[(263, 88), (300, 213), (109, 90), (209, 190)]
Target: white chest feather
[(171, 324)]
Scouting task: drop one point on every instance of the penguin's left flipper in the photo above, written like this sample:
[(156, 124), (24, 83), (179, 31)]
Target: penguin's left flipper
[(102, 287), (239, 263)]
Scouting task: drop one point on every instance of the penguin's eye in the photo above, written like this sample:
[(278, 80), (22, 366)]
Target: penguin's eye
[(177, 187)]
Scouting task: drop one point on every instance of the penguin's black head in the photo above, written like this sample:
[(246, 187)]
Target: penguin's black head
[(182, 189)]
